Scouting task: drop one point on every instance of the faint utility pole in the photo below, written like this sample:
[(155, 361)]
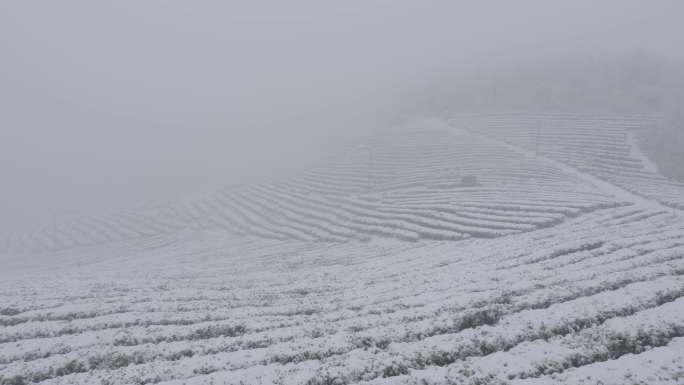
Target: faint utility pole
[(55, 225), (202, 218), (536, 146), (54, 231), (370, 165)]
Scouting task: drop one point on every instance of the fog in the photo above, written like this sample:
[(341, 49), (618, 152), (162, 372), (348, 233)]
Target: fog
[(111, 105)]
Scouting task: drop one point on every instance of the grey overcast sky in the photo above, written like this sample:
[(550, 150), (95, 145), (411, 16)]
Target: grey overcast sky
[(112, 104)]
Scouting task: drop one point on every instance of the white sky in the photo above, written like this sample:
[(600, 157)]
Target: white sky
[(111, 104)]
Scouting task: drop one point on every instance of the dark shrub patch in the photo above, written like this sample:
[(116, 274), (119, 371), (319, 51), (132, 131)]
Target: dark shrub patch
[(8, 311), (16, 380), (395, 370), (217, 331)]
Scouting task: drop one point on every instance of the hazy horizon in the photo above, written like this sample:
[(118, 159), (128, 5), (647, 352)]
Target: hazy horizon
[(110, 106)]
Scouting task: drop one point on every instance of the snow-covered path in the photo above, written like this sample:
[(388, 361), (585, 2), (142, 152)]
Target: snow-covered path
[(602, 184), (636, 152)]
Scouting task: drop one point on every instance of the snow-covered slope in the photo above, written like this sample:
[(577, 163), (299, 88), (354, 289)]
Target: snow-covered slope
[(603, 146), (201, 308), (381, 267), (419, 180)]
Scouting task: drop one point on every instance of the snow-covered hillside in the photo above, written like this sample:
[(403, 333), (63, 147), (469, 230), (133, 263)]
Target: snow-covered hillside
[(604, 146), (478, 250), (424, 179)]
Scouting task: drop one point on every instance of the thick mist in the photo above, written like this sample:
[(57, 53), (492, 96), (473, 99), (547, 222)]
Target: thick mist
[(110, 105)]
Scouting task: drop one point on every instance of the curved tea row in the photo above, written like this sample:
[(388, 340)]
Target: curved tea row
[(605, 146), (414, 181), (600, 293)]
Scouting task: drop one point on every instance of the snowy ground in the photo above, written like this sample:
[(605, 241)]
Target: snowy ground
[(546, 272)]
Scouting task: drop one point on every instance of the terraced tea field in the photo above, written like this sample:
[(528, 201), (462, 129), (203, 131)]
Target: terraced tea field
[(604, 146), (434, 253), (411, 182)]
